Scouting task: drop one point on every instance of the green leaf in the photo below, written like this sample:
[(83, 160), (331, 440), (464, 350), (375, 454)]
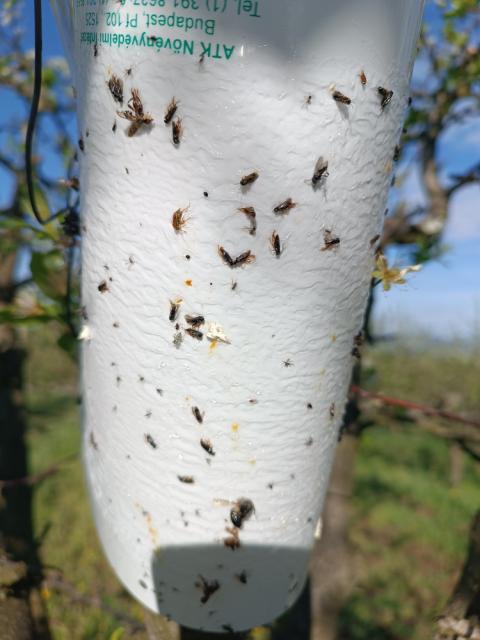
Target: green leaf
[(49, 273), (68, 343)]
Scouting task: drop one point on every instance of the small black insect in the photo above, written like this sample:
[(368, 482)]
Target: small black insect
[(195, 321), (194, 333), (242, 577), (338, 96), (242, 511), (114, 126), (309, 405), (81, 144), (149, 440), (208, 588), (205, 193), (358, 341), (148, 414), (177, 131), (330, 241), (93, 442), (234, 285), (95, 50), (249, 179), (103, 286), (320, 171), (287, 363), (309, 442), (308, 100), (197, 414), (332, 410), (207, 445), (285, 207), (386, 96), (174, 307), (396, 153), (187, 479), (115, 85), (275, 244)]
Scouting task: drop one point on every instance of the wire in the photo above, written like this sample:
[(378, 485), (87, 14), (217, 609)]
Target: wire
[(32, 119), (72, 226)]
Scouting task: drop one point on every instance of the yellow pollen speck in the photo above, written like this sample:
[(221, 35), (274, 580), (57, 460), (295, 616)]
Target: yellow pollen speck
[(189, 283), (235, 427), (252, 461), (334, 338), (45, 593), (213, 344)]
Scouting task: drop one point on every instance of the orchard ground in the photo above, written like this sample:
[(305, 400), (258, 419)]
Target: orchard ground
[(410, 524)]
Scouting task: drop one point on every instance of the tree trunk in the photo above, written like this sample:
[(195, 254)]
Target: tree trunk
[(332, 570), (20, 617), (460, 620)]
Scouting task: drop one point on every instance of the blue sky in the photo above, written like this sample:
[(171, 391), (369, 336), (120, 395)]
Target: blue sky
[(443, 300)]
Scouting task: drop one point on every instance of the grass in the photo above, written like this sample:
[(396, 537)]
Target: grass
[(409, 529)]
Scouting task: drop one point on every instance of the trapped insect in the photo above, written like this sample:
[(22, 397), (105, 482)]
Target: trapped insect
[(241, 511), (242, 577), (103, 286), (207, 445), (135, 114), (149, 440), (171, 110), (338, 96), (177, 131), (252, 217), (179, 220), (174, 307), (307, 100), (93, 442), (195, 321), (332, 410), (95, 50), (194, 333), (186, 479), (287, 363), (363, 77), (358, 341), (233, 540), (386, 95), (244, 258), (330, 241), (115, 85), (320, 171), (249, 179), (275, 244), (197, 414), (208, 588), (285, 206)]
